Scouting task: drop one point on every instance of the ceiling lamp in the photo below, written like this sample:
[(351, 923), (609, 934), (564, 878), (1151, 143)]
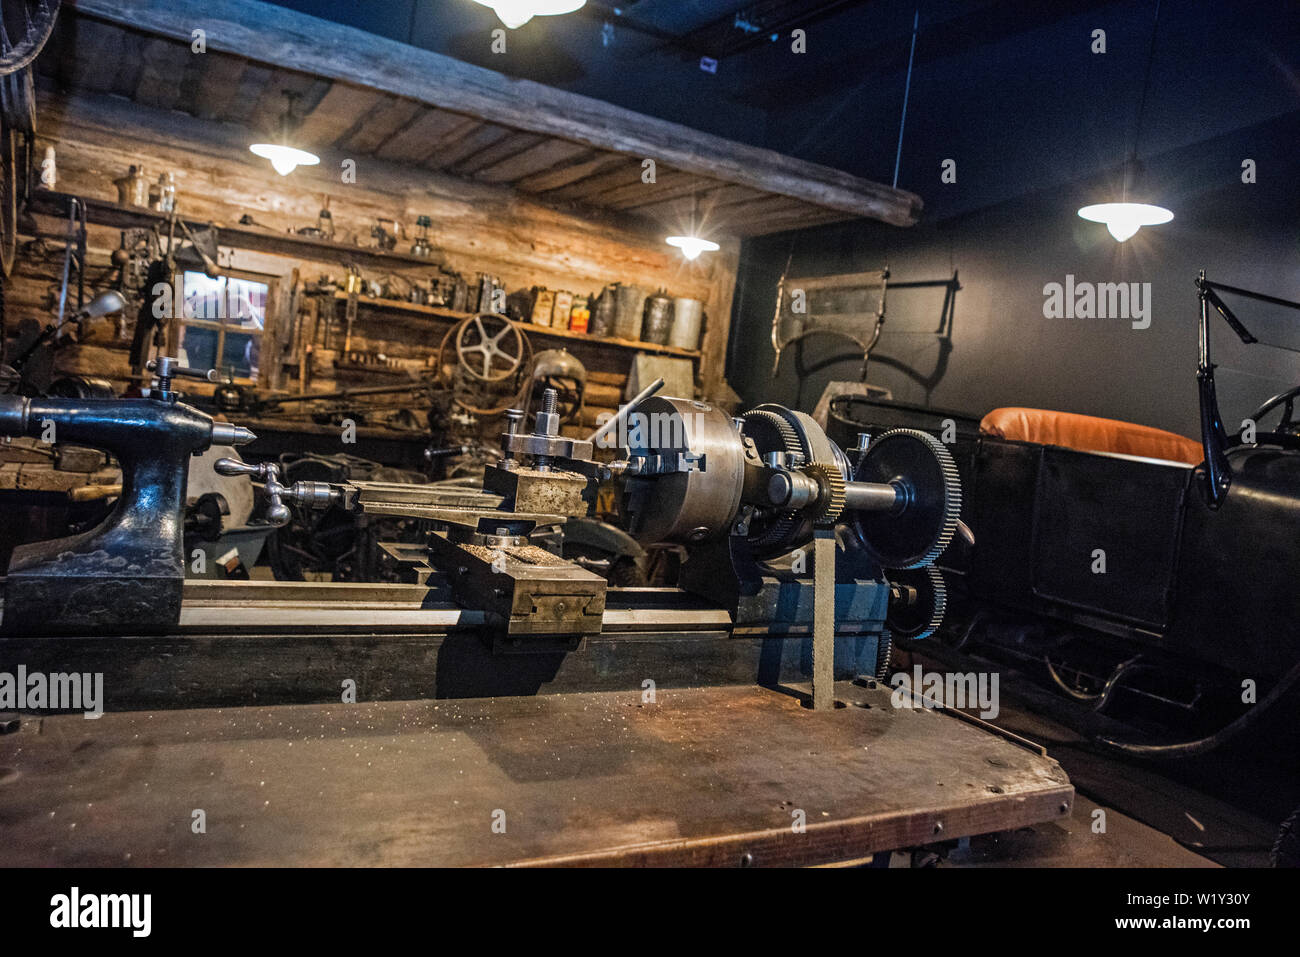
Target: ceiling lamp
[(515, 13), (283, 157), (1124, 219), (692, 246)]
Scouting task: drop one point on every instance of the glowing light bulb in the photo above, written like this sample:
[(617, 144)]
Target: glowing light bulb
[(1123, 220), (692, 246), (285, 159), (515, 13)]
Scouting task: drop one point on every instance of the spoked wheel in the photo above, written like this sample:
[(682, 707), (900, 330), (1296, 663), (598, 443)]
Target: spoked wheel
[(17, 130), (25, 25), (489, 347)]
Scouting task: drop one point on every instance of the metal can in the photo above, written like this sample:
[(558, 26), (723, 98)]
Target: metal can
[(580, 316), (606, 308), (658, 322), (563, 307), (542, 307)]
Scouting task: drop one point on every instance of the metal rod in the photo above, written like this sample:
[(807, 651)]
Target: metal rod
[(627, 410), (872, 496), (1236, 290), (907, 89)]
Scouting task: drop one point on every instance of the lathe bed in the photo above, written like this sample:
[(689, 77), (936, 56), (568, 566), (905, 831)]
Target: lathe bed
[(702, 776)]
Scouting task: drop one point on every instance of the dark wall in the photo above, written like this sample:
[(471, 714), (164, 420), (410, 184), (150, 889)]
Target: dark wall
[(1032, 145)]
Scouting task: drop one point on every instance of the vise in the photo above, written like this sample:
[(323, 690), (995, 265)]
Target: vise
[(128, 572)]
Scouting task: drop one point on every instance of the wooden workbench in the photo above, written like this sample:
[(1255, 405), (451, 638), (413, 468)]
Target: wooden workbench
[(707, 776)]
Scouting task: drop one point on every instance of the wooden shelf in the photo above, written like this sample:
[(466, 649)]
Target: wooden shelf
[(528, 327), (103, 212)]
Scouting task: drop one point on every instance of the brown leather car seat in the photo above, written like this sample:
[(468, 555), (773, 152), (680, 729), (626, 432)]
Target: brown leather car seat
[(1088, 433)]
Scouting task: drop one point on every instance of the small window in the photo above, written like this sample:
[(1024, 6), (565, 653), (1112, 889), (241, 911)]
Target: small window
[(221, 324)]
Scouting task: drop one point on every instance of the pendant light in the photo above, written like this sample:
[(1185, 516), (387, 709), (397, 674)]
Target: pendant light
[(283, 157), (691, 244), (515, 13), (1124, 219)]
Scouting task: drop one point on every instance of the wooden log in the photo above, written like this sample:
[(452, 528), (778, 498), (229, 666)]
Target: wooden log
[(277, 35)]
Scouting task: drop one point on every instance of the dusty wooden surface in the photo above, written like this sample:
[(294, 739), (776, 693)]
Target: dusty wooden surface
[(710, 776)]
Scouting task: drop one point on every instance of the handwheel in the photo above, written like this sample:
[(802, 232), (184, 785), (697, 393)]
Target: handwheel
[(25, 25), (489, 347)]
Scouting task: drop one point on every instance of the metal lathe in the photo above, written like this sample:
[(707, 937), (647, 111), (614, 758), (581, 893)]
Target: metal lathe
[(498, 664)]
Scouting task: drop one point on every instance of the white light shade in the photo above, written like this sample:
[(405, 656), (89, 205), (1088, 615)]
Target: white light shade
[(285, 159), (1125, 219), (515, 13), (692, 246)]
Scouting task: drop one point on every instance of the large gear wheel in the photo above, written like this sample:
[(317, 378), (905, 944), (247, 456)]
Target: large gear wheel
[(916, 534), (831, 479), (922, 618), (771, 432)]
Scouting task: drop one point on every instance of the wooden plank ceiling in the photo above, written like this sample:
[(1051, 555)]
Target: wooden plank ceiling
[(462, 120)]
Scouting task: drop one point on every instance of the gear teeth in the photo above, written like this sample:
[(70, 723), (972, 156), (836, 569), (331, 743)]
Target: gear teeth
[(789, 438), (940, 602), (830, 478), (952, 495), (938, 597), (778, 531)]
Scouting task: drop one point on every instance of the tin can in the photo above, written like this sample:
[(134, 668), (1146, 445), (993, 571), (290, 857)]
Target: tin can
[(658, 322), (580, 317), (687, 316), (631, 305), (604, 311), (542, 307), (563, 307)]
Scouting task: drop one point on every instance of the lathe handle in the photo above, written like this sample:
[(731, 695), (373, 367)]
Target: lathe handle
[(277, 513), (168, 368), (309, 494)]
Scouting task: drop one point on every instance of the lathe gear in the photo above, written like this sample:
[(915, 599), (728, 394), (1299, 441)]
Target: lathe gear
[(921, 618), (771, 432), (921, 466), (768, 429), (831, 479)]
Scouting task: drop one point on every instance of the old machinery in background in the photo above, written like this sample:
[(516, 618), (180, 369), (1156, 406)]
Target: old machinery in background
[(851, 305), (557, 369)]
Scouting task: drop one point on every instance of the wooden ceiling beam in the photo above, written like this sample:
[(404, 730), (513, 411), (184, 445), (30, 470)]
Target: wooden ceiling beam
[(419, 138), (272, 34), (476, 138), (545, 155), (564, 174)]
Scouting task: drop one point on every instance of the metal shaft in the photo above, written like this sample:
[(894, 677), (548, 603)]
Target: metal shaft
[(873, 496), (627, 410)]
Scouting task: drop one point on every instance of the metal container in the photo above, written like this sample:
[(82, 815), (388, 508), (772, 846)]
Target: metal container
[(603, 311), (542, 307), (657, 323), (563, 309), (631, 306), (688, 315)]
